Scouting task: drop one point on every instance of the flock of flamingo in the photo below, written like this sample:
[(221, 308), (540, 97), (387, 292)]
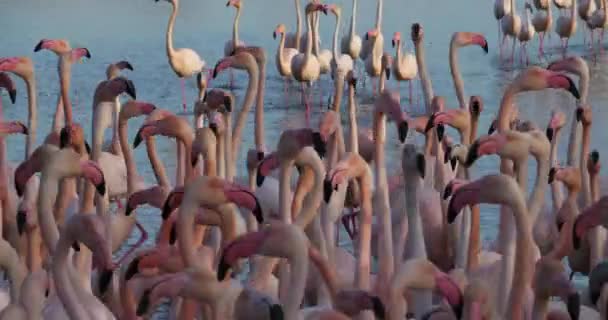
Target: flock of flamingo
[(265, 244)]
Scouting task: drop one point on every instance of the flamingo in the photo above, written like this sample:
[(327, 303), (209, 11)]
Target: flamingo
[(527, 31), (511, 26), (565, 27), (185, 62), (284, 55), (405, 67), (351, 43)]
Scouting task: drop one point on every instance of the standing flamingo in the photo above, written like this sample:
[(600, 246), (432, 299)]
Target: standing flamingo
[(404, 66), (185, 62)]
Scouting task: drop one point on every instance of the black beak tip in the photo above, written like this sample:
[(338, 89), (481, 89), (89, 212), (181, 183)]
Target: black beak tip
[(131, 89), (87, 147), (421, 165), (318, 144), (222, 270), (393, 43), (579, 114), (88, 53), (576, 240), (13, 95), (472, 155), (259, 179), (440, 132), (132, 269), (453, 163), (574, 306), (327, 190), (129, 66), (447, 192), (21, 221), (485, 47), (101, 188), (128, 209), (276, 312), (166, 210), (387, 71), (550, 134), (173, 234), (104, 280), (572, 88), (257, 212), (595, 156), (551, 175), (76, 246), (38, 46), (228, 104), (64, 138), (274, 35), (452, 214), (430, 123), (194, 161), (260, 155), (137, 141), (144, 302), (378, 307), (492, 128), (403, 129)]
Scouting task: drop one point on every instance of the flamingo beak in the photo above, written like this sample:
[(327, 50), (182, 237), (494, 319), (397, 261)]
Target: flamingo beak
[(274, 35), (430, 124), (21, 221), (327, 190), (13, 95), (453, 163), (421, 164), (472, 155), (579, 114), (318, 144), (403, 129), (131, 89), (393, 43), (132, 269), (550, 133), (144, 302), (104, 280), (222, 269), (552, 173), (440, 132)]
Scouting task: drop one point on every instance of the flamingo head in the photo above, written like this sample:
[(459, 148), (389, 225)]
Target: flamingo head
[(241, 247), (13, 127), (396, 39), (584, 116), (484, 146), (280, 29), (7, 83), (58, 46), (72, 135), (371, 34), (557, 121), (417, 32), (172, 202), (234, 3)]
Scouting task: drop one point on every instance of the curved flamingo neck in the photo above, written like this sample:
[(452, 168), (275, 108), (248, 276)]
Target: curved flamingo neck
[(67, 289), (427, 86), (14, 268), (309, 38), (556, 189), (280, 56), (185, 221), (310, 209), (456, 76), (298, 23), (362, 273), (169, 35), (32, 120), (127, 153), (353, 21), (250, 97), (259, 106), (379, 16), (352, 117), (335, 43), (157, 166), (235, 28), (46, 219), (537, 198)]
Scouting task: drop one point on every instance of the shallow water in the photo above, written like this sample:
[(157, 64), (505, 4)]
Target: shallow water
[(135, 30)]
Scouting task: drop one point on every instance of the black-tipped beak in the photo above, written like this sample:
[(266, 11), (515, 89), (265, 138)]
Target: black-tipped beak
[(19, 189), (550, 133), (228, 4), (472, 155), (138, 139), (215, 70), (552, 175), (492, 128), (572, 88), (257, 212), (366, 36), (430, 123), (64, 138), (228, 103), (259, 178), (453, 163), (485, 47), (131, 89), (393, 43), (574, 306), (440, 132), (194, 160), (128, 209), (318, 144), (327, 190), (76, 246), (128, 66), (144, 302), (475, 108), (21, 221), (88, 53), (213, 128), (421, 164), (447, 192), (173, 234), (101, 187), (452, 212), (260, 155), (576, 240), (276, 312), (13, 95), (38, 46), (378, 307), (324, 10), (104, 280), (274, 35), (403, 128), (87, 147), (166, 212), (222, 269), (353, 82), (132, 268), (579, 114), (594, 156), (387, 72)]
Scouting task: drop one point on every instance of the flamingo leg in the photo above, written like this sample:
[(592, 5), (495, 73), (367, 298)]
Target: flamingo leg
[(183, 85), (142, 239), (307, 105)]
